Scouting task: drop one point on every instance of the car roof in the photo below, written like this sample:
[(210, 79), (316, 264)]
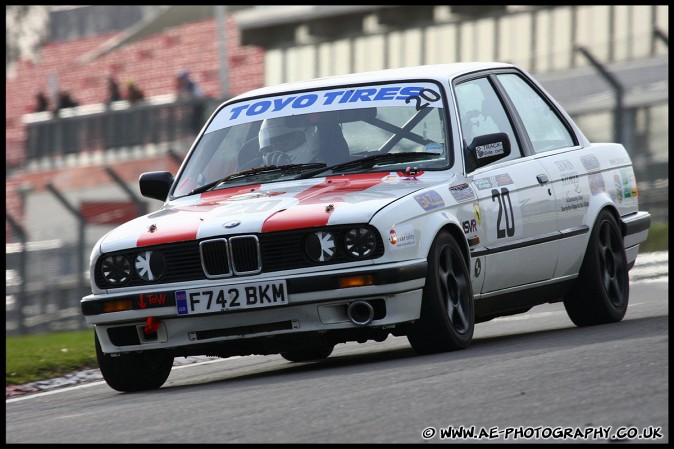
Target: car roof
[(441, 72)]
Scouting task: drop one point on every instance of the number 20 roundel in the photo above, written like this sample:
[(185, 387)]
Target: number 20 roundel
[(505, 216)]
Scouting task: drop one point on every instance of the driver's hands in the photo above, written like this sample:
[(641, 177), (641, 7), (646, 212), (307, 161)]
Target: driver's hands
[(277, 158)]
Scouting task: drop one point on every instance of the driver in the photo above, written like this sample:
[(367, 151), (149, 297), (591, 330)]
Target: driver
[(281, 144)]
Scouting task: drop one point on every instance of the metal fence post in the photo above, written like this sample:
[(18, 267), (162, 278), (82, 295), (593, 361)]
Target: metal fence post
[(617, 89), (22, 272), (141, 207), (80, 235)]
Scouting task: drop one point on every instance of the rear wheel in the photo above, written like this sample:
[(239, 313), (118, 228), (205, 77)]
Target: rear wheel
[(135, 371), (308, 355), (447, 318), (601, 292)]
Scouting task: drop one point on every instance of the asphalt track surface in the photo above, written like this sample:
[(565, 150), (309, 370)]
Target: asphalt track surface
[(533, 377)]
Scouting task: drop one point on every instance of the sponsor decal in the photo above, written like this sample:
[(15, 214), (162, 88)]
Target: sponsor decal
[(574, 202), (430, 200), (478, 267), (417, 94), (503, 179), (150, 300), (564, 165), (492, 149), (617, 183), (596, 183), (402, 237), (483, 183), (571, 179), (478, 215), (434, 148), (619, 161), (462, 193), (629, 183), (590, 162)]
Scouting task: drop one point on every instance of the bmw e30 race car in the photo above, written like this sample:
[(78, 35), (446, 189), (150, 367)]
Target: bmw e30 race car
[(414, 202)]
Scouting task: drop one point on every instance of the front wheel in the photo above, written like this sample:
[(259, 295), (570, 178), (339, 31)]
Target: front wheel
[(135, 371), (447, 318), (601, 293)]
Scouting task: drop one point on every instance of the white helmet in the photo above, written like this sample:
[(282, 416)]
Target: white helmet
[(281, 144)]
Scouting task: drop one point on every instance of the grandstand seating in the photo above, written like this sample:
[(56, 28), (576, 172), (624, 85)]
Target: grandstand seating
[(151, 63)]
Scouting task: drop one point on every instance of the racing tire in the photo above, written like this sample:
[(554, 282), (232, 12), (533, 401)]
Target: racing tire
[(601, 293), (137, 371), (308, 355), (447, 319)]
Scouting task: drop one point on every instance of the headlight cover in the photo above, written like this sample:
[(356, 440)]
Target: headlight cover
[(150, 265), (320, 246), (116, 270), (360, 242)]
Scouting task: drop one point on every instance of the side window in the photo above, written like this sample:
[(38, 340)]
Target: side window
[(481, 112), (545, 129)]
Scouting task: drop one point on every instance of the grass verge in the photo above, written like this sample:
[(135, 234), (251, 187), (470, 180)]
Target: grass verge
[(30, 358), (658, 238)]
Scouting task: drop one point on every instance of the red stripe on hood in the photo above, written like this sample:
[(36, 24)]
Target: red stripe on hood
[(187, 226), (312, 208)]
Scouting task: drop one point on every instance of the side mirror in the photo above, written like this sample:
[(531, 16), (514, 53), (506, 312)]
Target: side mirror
[(489, 148), (156, 184)]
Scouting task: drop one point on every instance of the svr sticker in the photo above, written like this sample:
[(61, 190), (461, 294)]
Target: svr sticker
[(402, 237)]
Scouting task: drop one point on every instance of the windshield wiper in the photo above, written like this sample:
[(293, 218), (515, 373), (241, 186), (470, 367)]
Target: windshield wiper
[(258, 170), (371, 161)]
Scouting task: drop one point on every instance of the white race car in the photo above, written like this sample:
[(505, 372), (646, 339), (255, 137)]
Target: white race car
[(414, 202)]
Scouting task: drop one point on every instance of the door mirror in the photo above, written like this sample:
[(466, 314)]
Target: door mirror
[(489, 148), (156, 184)]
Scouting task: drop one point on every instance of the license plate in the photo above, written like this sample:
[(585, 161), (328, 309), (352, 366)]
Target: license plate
[(231, 297)]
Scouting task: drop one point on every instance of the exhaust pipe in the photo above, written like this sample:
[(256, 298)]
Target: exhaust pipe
[(360, 313)]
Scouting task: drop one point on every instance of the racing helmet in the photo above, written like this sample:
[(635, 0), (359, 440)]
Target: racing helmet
[(297, 144)]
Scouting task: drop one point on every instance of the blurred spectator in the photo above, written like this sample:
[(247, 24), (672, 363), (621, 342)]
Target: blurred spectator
[(41, 102), (114, 93), (188, 89), (133, 93), (65, 100)]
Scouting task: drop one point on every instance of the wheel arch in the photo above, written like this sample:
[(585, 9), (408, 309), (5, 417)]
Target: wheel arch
[(460, 238), (599, 203), (610, 208)]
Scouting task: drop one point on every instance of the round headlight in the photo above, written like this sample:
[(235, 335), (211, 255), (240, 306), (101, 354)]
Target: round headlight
[(116, 270), (150, 265), (360, 242), (320, 246)]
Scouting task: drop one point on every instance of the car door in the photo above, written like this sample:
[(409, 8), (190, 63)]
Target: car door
[(516, 207), (570, 169)]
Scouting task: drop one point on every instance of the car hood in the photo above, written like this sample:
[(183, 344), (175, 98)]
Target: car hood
[(279, 206)]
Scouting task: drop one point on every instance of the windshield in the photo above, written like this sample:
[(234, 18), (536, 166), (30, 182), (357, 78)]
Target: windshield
[(285, 136)]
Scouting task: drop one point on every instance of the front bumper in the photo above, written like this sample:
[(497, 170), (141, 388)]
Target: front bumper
[(315, 306)]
